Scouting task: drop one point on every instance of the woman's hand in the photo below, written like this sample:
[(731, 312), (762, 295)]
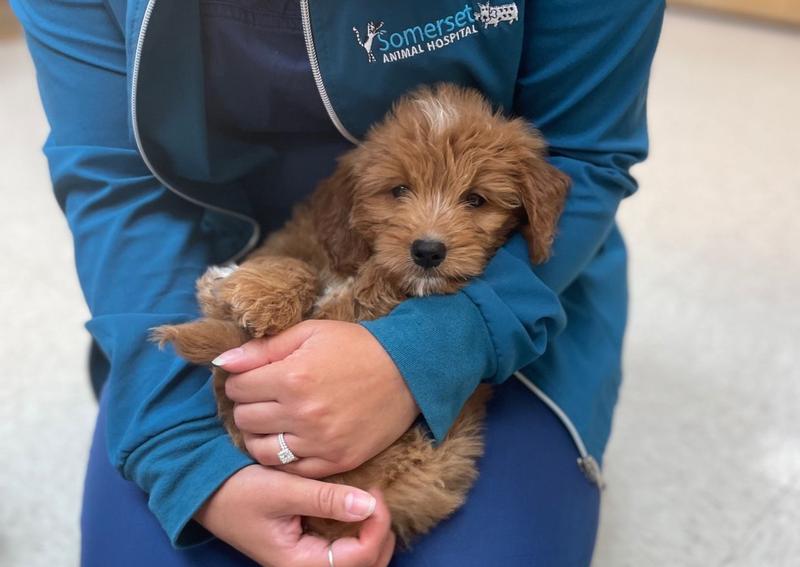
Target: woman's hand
[(258, 510), (329, 386)]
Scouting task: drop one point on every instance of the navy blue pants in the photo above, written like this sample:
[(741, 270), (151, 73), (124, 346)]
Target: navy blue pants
[(531, 505)]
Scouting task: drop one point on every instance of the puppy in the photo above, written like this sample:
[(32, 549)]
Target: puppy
[(417, 209)]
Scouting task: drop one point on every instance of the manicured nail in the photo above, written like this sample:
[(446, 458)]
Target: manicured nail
[(228, 356), (359, 504)]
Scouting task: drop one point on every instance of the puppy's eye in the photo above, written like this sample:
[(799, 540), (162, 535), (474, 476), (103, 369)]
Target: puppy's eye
[(400, 191), (474, 200)]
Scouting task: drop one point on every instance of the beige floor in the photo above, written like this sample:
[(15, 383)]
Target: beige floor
[(704, 465)]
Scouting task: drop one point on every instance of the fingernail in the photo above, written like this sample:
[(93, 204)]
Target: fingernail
[(360, 504), (228, 356)]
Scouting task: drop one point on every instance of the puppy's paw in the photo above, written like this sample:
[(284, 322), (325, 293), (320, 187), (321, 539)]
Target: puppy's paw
[(268, 297), (200, 341), (208, 291)]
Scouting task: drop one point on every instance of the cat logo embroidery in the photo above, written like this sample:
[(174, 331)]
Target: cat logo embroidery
[(373, 30)]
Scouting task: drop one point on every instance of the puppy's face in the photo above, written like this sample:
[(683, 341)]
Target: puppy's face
[(439, 185)]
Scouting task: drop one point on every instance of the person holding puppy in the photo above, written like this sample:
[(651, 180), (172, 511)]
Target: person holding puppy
[(182, 132)]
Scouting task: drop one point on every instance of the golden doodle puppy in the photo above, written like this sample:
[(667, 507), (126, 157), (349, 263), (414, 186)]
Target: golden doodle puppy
[(418, 208)]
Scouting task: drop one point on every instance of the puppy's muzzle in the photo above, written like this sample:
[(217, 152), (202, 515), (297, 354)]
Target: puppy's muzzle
[(428, 253)]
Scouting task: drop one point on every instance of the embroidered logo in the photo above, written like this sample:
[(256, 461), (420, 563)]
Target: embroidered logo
[(373, 30), (493, 15), (434, 34)]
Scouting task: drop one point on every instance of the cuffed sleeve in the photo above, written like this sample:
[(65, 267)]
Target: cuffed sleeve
[(445, 345), (420, 335)]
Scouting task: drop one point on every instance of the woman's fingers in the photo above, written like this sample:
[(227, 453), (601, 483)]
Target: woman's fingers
[(313, 467), (261, 418), (258, 511), (387, 552), (372, 548), (263, 384), (265, 448), (258, 352), (306, 497)]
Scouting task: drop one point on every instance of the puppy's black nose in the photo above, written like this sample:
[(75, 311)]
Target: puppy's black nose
[(428, 253)]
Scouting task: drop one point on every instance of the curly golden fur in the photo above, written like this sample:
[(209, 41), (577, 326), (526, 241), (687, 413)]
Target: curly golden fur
[(443, 167)]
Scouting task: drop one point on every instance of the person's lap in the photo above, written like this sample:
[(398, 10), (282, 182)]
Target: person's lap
[(530, 506)]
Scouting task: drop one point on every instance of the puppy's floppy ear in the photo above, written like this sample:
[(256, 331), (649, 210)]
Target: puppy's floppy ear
[(332, 207), (543, 192)]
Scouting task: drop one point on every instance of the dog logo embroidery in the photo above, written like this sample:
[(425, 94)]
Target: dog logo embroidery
[(373, 30), (493, 15)]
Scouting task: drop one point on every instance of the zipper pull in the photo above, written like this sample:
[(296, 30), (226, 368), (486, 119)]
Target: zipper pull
[(591, 470)]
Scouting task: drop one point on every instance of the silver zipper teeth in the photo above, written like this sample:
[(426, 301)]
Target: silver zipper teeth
[(312, 58), (135, 122), (586, 462)]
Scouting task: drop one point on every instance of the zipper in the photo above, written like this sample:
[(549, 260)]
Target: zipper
[(312, 59), (587, 463), (256, 230)]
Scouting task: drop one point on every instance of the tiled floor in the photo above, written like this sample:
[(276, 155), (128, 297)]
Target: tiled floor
[(704, 465)]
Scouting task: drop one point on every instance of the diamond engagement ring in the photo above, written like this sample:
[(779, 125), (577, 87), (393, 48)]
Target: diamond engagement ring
[(285, 455)]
